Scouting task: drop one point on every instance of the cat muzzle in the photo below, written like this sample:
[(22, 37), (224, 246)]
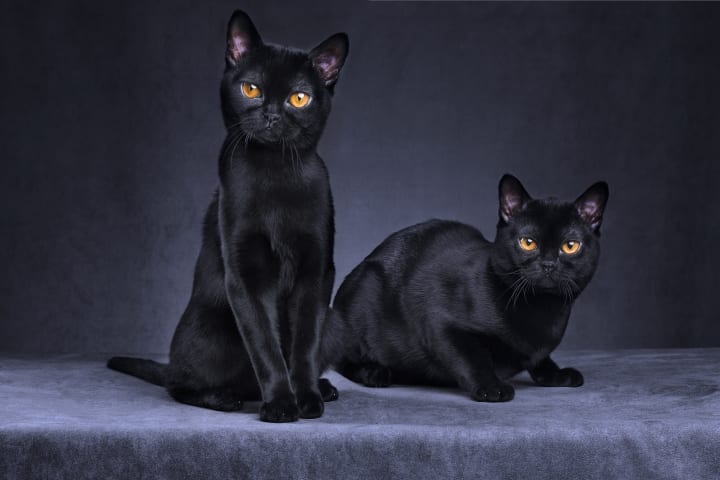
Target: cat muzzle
[(548, 267), (271, 120)]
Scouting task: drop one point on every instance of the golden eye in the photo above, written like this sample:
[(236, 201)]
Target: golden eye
[(299, 99), (250, 90), (570, 247), (528, 244)]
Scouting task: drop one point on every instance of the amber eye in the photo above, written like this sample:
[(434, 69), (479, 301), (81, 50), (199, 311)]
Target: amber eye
[(299, 99), (250, 90), (570, 247), (528, 244)]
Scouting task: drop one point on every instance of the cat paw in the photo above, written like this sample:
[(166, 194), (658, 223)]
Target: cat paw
[(498, 392), (328, 392), (311, 405), (569, 377), (564, 377), (279, 410), (375, 376), (223, 402)]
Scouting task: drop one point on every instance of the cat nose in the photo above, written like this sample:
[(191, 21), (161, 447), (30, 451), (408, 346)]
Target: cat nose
[(271, 119), (548, 267)]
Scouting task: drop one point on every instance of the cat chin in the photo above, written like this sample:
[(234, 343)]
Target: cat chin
[(548, 285), (276, 141)]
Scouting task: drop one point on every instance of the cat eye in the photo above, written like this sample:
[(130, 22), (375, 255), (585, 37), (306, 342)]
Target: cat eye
[(570, 247), (250, 90), (299, 99), (528, 244)]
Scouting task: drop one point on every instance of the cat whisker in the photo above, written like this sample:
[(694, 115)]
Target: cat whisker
[(509, 274), (232, 154), (297, 156), (285, 143), (248, 138), (230, 143), (521, 291), (531, 284), (568, 287), (512, 286), (235, 125), (294, 157), (519, 287)]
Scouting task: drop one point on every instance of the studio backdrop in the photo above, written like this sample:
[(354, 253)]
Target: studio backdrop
[(111, 129)]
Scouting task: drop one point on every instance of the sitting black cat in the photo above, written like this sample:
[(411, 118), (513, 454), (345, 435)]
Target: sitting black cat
[(437, 303), (265, 272)]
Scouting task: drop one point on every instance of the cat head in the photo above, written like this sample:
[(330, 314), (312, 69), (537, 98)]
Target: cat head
[(275, 96), (546, 245)]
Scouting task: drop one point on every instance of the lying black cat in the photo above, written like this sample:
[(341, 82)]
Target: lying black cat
[(436, 303), (265, 272)]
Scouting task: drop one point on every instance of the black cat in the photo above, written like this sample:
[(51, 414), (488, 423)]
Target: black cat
[(265, 272), (437, 303)]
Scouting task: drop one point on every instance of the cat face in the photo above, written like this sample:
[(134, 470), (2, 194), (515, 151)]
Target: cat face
[(274, 96), (545, 245)]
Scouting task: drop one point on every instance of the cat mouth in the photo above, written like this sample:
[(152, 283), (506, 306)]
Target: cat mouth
[(268, 135), (557, 284), (546, 281)]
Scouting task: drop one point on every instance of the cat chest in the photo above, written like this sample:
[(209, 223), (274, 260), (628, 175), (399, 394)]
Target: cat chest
[(307, 213), (276, 207), (535, 332)]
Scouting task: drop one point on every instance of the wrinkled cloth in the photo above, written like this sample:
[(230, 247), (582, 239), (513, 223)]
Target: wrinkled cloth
[(641, 414)]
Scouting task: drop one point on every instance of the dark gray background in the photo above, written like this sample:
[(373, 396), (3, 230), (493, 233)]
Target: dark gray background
[(111, 128)]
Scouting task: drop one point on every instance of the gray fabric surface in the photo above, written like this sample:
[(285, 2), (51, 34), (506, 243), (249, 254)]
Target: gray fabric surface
[(641, 414)]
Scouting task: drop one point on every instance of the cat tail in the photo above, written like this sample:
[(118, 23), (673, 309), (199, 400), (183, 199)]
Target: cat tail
[(149, 370)]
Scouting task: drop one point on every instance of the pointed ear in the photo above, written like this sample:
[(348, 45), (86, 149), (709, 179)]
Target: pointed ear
[(591, 204), (241, 37), (328, 57), (513, 197)]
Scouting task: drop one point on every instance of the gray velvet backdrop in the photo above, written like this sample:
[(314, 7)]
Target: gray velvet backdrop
[(111, 128)]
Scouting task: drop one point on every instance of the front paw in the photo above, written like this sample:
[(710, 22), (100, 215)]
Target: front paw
[(311, 405), (564, 377), (279, 410), (569, 377), (376, 376), (328, 392), (494, 392)]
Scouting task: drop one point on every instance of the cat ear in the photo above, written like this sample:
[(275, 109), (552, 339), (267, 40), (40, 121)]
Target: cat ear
[(513, 197), (241, 37), (591, 204), (329, 57)]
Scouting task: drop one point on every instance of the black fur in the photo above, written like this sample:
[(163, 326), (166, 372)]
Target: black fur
[(437, 303), (265, 272)]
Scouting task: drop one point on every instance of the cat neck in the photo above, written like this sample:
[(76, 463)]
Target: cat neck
[(272, 159), (540, 317)]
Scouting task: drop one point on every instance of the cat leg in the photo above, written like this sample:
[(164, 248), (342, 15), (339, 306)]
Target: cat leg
[(370, 374), (307, 313), (265, 352), (251, 276), (263, 348), (548, 374), (470, 363)]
